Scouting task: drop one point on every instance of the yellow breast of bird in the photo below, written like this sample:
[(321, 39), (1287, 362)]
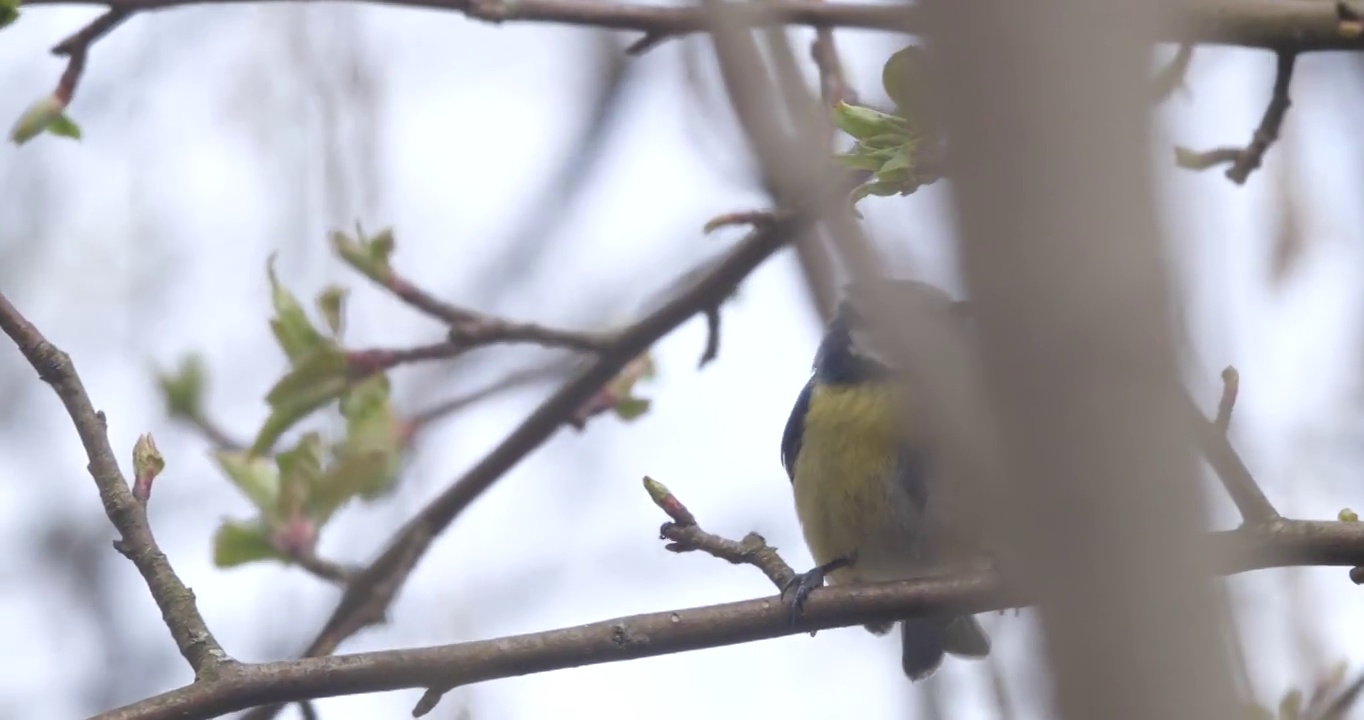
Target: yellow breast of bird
[(849, 495)]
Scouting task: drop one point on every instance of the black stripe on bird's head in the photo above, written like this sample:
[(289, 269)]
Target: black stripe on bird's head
[(842, 359), (846, 355)]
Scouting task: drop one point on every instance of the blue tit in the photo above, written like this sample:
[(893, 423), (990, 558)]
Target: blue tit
[(863, 493)]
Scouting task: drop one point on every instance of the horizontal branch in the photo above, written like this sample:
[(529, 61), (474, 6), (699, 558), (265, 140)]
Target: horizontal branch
[(1285, 25), (1276, 544)]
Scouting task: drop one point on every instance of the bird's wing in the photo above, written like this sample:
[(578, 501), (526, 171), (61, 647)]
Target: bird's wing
[(795, 429), (914, 466)]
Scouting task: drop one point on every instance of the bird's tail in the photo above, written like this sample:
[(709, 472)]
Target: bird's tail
[(924, 641)]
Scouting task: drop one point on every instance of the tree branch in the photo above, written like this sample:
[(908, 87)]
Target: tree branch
[(469, 328), (1240, 484), (687, 536), (371, 591), (1247, 160), (128, 516), (438, 411), (1281, 25), (1282, 543)]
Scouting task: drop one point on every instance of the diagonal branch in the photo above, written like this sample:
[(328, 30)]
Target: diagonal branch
[(372, 590), (469, 328), (1212, 436), (129, 516)]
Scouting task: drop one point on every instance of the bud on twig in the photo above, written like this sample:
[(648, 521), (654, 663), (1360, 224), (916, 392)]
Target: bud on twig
[(147, 464)]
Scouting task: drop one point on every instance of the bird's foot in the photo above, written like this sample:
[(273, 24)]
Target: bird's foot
[(805, 583)]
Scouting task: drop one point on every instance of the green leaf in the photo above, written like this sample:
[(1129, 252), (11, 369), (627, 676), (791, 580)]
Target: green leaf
[(9, 12), (864, 122), (629, 408), (237, 543), (888, 142), (183, 391), (317, 379), (299, 472), (880, 189), (256, 477), (331, 302), (905, 78), (369, 256), (64, 126), (861, 161), (42, 113), (295, 333), (895, 162), (369, 457)]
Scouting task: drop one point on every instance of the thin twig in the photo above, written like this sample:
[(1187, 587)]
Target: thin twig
[(371, 592), (478, 334), (469, 328), (77, 46), (213, 432), (1245, 161), (1287, 543), (445, 408), (833, 83), (1231, 387), (1171, 77), (1212, 436), (687, 536), (322, 568), (485, 330), (129, 517)]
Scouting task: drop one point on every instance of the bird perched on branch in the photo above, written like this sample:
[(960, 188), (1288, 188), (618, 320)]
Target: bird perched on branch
[(876, 503)]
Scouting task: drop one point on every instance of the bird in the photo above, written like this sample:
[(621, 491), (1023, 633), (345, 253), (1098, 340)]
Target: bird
[(870, 498)]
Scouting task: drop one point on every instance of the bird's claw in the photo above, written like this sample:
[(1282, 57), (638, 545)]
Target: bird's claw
[(807, 582), (800, 587)]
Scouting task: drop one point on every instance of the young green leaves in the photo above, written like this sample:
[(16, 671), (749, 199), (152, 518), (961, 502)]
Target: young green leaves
[(298, 489), (892, 146), (47, 113)]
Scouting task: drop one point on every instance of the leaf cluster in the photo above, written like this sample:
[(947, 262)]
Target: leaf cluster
[(893, 146)]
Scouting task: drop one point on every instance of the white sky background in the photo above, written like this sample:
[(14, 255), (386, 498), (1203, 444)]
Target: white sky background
[(202, 156)]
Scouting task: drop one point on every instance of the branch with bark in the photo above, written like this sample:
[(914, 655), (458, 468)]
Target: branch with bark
[(127, 512), (1282, 25), (1282, 543), (1245, 160)]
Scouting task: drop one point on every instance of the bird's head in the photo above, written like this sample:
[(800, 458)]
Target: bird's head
[(849, 353)]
